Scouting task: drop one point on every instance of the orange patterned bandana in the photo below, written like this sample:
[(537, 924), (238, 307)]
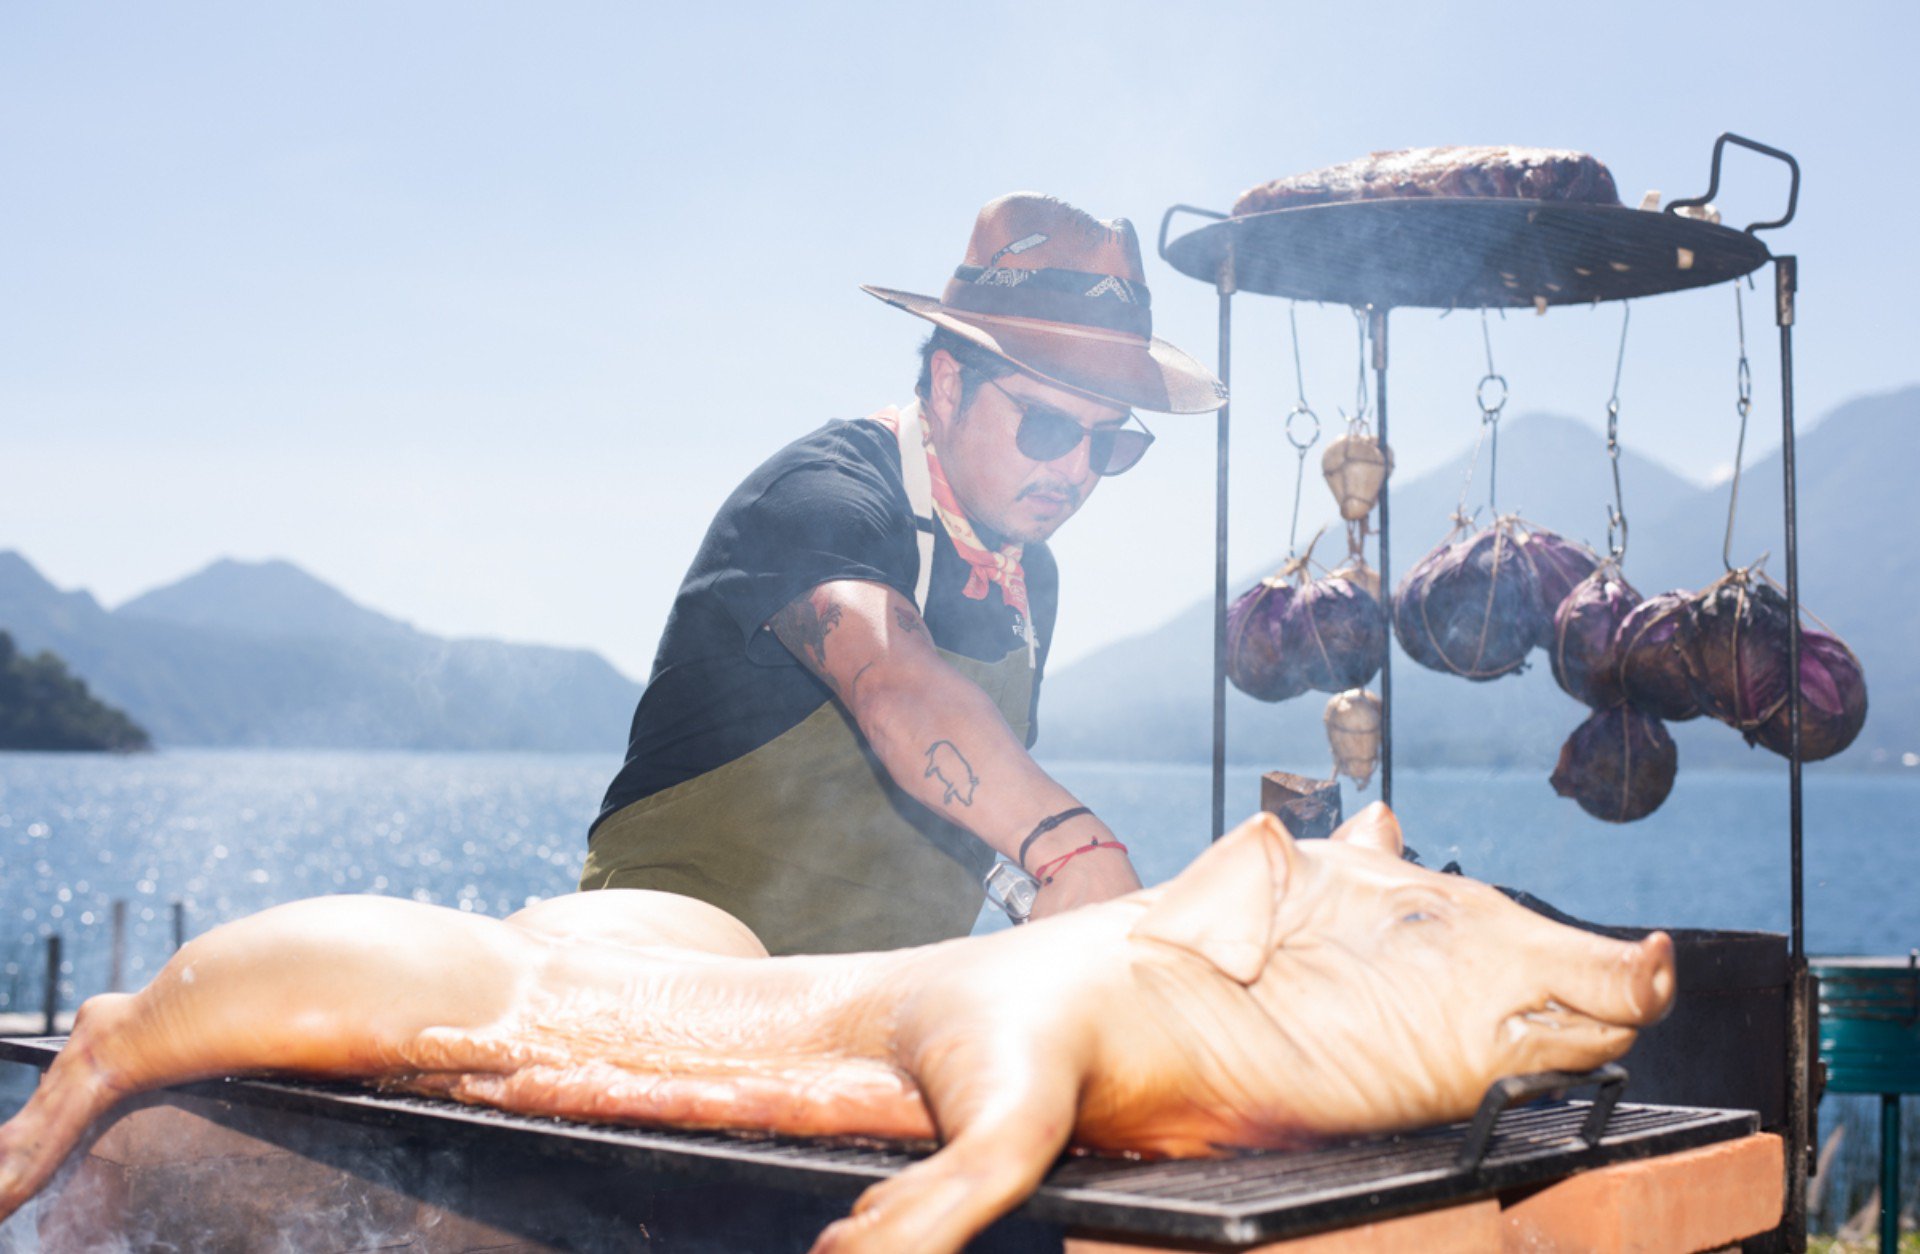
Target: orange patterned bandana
[(985, 566)]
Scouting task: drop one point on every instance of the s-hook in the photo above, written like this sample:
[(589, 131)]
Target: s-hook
[(1617, 512), (1299, 416)]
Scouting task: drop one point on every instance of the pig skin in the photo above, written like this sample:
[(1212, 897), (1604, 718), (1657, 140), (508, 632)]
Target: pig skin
[(1272, 993)]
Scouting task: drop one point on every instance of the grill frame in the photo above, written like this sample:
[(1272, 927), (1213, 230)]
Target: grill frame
[(1234, 1201)]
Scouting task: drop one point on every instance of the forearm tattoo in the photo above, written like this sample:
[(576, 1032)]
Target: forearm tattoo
[(909, 621), (946, 764)]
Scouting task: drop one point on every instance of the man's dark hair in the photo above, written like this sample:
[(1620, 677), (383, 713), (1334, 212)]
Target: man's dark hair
[(977, 365)]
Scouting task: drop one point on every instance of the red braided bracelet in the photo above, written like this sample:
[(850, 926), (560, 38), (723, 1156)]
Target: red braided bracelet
[(1045, 873)]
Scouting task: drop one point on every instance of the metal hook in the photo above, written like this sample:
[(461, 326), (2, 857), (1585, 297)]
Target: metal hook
[(1300, 472), (1617, 511), (1743, 406)]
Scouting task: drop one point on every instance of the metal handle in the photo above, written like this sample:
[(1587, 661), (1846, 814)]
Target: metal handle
[(1515, 1089), (1713, 183), (1167, 221)]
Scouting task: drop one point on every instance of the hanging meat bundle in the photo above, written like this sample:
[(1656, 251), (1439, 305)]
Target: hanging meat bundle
[(1343, 633), (1353, 732), (1736, 644), (1650, 650), (1585, 651), (1619, 765), (1736, 649), (1291, 632), (1472, 607), (1356, 466), (1559, 564), (1258, 660), (1833, 701)]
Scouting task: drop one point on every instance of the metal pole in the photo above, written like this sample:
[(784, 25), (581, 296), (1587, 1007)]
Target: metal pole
[(116, 965), (1802, 1017), (52, 1003), (1377, 326), (1889, 1173), (1786, 280), (179, 924), (1220, 563)]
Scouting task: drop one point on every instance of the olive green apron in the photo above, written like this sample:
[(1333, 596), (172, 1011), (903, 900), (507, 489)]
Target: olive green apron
[(807, 839)]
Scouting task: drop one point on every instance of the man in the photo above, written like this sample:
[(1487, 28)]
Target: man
[(833, 743)]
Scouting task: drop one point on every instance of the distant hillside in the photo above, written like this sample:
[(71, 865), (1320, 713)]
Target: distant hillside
[(264, 654), (271, 598), (1149, 697), (42, 706)]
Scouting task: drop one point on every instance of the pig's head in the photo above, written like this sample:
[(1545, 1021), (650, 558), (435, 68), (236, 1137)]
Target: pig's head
[(1329, 987)]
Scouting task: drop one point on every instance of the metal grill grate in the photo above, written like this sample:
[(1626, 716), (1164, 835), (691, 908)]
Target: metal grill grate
[(1447, 253), (1249, 1198)]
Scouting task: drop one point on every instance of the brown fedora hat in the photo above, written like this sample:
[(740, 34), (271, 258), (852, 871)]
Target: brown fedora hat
[(1063, 296)]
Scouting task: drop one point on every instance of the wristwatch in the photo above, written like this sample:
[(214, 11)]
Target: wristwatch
[(1012, 889)]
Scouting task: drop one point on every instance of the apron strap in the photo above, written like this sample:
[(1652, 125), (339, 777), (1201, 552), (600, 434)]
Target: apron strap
[(919, 485)]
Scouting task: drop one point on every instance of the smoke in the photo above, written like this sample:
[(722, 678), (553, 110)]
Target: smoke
[(180, 1172)]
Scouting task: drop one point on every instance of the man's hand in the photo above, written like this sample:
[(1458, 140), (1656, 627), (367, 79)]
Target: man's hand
[(940, 737)]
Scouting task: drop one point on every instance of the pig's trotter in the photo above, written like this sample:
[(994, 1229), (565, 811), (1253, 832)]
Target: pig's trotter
[(1005, 1105), (75, 1091)]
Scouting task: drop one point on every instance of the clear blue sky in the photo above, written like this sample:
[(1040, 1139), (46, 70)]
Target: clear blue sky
[(478, 309)]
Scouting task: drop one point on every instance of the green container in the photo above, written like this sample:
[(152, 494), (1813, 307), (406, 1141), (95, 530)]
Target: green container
[(1869, 1024)]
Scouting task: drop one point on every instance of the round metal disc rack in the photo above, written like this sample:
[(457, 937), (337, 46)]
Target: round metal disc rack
[(1469, 253)]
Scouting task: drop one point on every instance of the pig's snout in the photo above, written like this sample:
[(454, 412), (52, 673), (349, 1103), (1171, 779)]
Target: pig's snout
[(1657, 982), (1627, 983)]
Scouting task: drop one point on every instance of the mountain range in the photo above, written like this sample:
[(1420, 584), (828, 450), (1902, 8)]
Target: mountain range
[(1148, 697), (263, 654)]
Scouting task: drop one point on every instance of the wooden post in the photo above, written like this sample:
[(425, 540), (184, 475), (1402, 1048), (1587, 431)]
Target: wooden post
[(52, 1004), (1307, 807), (116, 967)]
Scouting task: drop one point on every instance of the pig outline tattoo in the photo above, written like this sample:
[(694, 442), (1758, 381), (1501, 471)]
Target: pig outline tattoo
[(1165, 1022), (940, 766)]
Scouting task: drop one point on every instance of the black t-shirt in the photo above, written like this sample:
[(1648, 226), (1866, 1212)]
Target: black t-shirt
[(831, 505)]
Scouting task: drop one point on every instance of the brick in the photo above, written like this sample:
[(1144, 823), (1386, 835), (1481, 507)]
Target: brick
[(1702, 1199)]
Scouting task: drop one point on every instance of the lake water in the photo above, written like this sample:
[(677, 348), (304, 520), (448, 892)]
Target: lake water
[(230, 832)]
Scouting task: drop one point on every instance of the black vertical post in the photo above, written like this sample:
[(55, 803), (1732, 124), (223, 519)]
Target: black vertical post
[(179, 924), (117, 953), (52, 1000), (1786, 276), (1802, 1019), (1377, 326), (1889, 1173), (1220, 562)]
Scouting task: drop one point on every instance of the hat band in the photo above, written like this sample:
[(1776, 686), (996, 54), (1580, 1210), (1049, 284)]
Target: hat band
[(1067, 296)]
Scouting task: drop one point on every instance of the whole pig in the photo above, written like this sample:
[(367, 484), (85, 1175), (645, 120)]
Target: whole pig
[(1273, 993)]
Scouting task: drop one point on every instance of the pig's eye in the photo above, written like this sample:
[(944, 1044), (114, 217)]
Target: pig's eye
[(1416, 916)]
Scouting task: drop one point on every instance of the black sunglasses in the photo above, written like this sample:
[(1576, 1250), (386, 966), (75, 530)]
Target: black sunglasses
[(1046, 434)]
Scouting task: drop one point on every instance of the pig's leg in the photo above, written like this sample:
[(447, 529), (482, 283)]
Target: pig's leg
[(1004, 1099), (331, 986), (640, 916)]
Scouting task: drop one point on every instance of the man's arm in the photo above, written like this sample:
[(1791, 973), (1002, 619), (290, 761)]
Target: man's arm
[(940, 737)]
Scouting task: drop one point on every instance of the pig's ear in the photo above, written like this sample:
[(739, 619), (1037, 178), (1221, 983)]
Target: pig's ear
[(1373, 828), (1222, 906)]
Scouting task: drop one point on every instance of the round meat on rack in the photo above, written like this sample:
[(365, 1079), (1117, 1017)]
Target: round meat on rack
[(1500, 172)]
